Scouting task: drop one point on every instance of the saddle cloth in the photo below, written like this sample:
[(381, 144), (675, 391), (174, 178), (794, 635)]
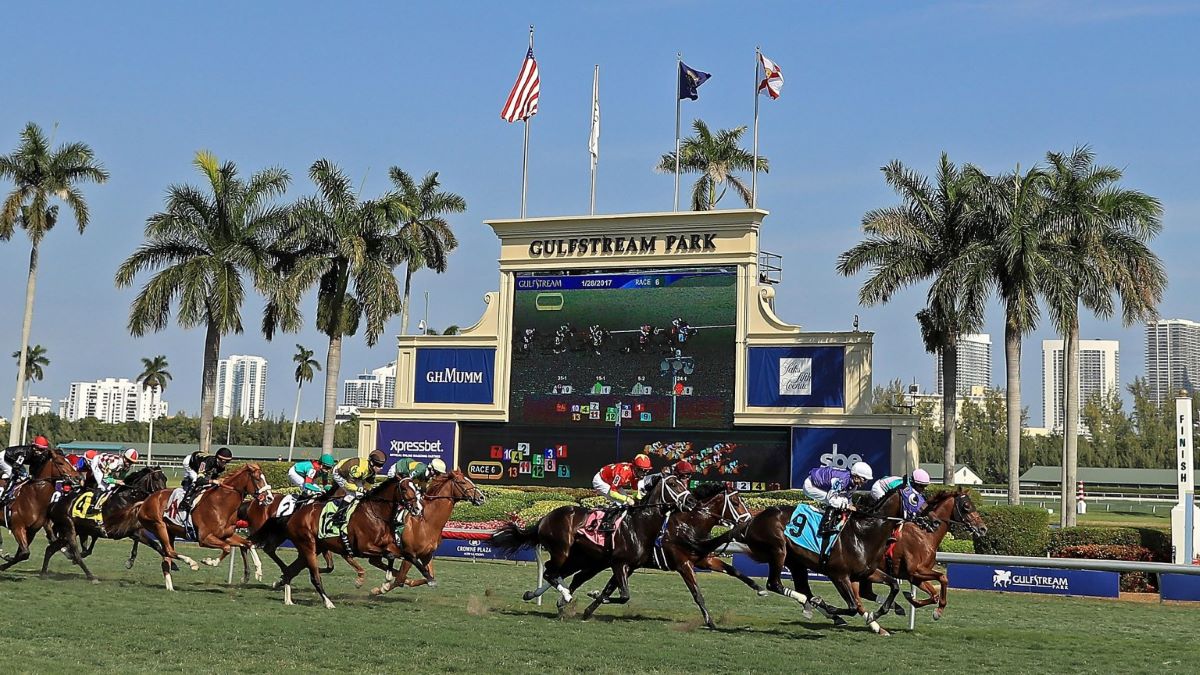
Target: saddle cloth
[(802, 529), (173, 512), (325, 527), (82, 506), (591, 527), (287, 504)]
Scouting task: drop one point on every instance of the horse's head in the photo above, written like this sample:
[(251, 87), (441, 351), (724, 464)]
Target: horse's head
[(966, 514), (55, 465), (453, 485), (672, 492), (409, 496), (722, 502), (249, 480)]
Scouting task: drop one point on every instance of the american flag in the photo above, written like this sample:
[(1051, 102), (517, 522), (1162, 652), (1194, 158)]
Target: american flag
[(522, 101)]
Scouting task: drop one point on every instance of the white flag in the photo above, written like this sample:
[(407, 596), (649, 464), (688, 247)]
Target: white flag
[(594, 138)]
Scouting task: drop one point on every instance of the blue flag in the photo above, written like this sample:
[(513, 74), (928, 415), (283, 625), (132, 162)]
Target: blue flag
[(690, 80)]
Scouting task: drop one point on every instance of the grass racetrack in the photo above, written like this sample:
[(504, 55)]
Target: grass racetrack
[(475, 621)]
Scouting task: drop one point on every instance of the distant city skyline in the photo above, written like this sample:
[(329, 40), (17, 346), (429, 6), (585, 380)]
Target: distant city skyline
[(974, 363), (1172, 357), (1099, 375), (241, 387)]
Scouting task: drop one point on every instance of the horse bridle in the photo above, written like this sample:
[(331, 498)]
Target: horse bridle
[(735, 517), (463, 493), (959, 516), (678, 498), (413, 505)]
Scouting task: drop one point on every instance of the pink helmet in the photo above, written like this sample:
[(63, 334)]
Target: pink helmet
[(920, 477)]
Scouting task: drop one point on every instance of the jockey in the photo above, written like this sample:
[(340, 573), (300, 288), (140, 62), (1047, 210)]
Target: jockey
[(832, 488), (406, 467), (683, 469), (200, 469), (16, 460), (304, 475), (610, 480), (918, 482), (353, 475), (436, 467), (108, 470)]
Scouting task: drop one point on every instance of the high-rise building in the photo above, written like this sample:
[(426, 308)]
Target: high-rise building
[(242, 387), (113, 400), (376, 389), (1099, 375), (1172, 357), (974, 363), (36, 405)]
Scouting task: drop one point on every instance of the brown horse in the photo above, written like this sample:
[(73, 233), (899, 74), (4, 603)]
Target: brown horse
[(854, 556), (423, 536), (118, 519), (631, 547), (370, 534), (914, 556), (263, 524), (28, 510), (214, 519)]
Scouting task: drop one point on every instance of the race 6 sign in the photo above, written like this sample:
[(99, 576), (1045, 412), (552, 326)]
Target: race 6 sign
[(422, 441)]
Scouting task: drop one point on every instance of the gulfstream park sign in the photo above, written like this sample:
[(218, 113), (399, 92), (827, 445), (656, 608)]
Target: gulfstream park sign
[(580, 246)]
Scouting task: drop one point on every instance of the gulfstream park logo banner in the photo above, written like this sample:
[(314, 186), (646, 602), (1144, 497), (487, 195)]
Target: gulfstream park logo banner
[(454, 375), (1034, 580)]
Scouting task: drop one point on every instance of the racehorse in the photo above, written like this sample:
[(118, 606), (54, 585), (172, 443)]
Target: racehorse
[(718, 504), (370, 532), (914, 555), (28, 509), (118, 519), (855, 555), (422, 537), (630, 547), (266, 533), (214, 520)]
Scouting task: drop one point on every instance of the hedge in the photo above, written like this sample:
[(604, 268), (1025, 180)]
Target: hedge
[(952, 545), (531, 514), (1135, 582), (1158, 542), (1014, 530)]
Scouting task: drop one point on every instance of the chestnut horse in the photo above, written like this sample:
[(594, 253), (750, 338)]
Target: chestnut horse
[(422, 537), (214, 518), (370, 532), (855, 555), (28, 509), (118, 519), (632, 543), (914, 556), (263, 525)]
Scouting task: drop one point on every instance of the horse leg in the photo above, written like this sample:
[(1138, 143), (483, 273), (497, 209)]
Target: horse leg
[(775, 574), (582, 577), (328, 568), (622, 576), (549, 574), (889, 603), (847, 591), (360, 574), (717, 565), (689, 578), (23, 538), (314, 574), (389, 575), (422, 567), (608, 589), (51, 548), (287, 573)]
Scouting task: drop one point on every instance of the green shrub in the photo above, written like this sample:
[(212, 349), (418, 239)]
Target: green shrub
[(492, 509), (1014, 530), (276, 473), (952, 545), (1157, 542), (595, 502), (757, 503), (538, 510)]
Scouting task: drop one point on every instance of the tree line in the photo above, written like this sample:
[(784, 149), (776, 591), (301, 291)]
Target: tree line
[(1062, 236)]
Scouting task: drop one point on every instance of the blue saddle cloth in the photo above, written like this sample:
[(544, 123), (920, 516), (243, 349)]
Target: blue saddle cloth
[(802, 529)]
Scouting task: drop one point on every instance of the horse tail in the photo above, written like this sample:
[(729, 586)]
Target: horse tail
[(510, 537), (703, 548)]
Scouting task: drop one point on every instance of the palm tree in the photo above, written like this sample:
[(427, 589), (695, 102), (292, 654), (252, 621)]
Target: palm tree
[(932, 235), (425, 226), (1014, 222), (452, 329), (305, 365), (35, 361), (38, 174), (200, 245), (154, 377), (1101, 232), (349, 249), (715, 157)]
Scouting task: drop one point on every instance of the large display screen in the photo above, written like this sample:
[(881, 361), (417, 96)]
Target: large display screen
[(639, 348)]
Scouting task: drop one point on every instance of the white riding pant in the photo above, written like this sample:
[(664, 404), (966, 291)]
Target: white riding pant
[(822, 496)]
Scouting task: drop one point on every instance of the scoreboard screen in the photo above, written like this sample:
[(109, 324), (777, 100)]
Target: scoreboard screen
[(638, 348)]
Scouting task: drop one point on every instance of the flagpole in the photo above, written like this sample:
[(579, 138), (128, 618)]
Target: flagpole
[(525, 149), (595, 122), (754, 173), (678, 71)]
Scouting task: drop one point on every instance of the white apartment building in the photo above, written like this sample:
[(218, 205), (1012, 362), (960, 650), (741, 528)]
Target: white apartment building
[(376, 389), (1172, 357), (974, 363), (36, 405), (112, 400), (242, 387), (1099, 374)]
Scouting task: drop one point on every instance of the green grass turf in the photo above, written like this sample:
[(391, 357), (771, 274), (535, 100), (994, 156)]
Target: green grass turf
[(475, 622)]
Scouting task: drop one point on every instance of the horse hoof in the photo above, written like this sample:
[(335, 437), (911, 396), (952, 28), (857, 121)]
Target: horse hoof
[(937, 615), (899, 610), (377, 591), (883, 633), (807, 611), (593, 594), (838, 621), (94, 580), (211, 562), (762, 592), (527, 596), (359, 581), (432, 583), (128, 564)]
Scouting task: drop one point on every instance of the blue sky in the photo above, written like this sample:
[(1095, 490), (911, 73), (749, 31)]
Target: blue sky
[(372, 85)]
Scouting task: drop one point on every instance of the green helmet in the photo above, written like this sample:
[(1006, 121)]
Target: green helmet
[(327, 460), (418, 470)]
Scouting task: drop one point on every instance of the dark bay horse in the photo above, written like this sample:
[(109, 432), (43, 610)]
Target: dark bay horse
[(214, 518), (422, 536), (855, 556), (264, 528), (28, 510), (370, 532), (119, 519), (570, 552), (914, 557)]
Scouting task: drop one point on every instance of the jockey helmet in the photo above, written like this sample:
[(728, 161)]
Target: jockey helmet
[(642, 461), (862, 470), (436, 465), (225, 454), (418, 470), (327, 460), (377, 457), (130, 455), (684, 468), (920, 477), (41, 443)]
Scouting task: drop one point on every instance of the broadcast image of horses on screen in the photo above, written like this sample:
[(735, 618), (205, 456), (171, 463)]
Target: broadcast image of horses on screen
[(642, 348)]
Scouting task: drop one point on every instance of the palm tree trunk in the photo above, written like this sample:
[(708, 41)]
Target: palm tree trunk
[(404, 308), (949, 409), (1071, 425), (295, 418), (25, 417), (1012, 367), (150, 442), (333, 362), (26, 324), (208, 383)]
